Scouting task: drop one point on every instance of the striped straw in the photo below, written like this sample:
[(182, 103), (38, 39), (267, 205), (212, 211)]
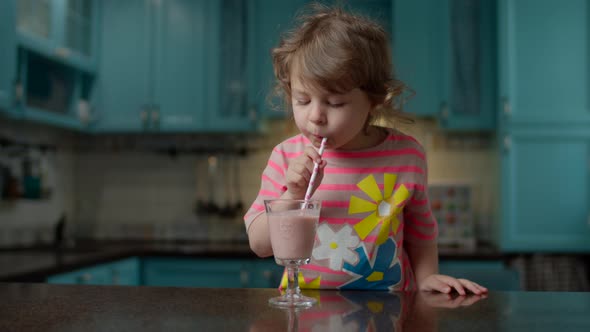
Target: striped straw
[(314, 174)]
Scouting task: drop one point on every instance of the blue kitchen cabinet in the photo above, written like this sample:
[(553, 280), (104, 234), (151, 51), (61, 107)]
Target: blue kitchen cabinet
[(47, 73), (123, 272), (195, 272), (543, 59), (183, 86), (126, 272), (153, 71), (61, 30), (443, 51), (227, 70), (51, 92), (492, 274), (267, 19), (467, 60), (544, 126), (416, 52), (545, 190), (8, 55), (265, 273), (124, 98)]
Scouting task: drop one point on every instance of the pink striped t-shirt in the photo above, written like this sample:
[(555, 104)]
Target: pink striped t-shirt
[(373, 200)]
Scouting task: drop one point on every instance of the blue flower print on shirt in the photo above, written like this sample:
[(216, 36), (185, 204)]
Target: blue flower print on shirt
[(376, 274)]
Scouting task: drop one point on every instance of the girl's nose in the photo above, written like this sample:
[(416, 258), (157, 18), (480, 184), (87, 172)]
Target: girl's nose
[(317, 113)]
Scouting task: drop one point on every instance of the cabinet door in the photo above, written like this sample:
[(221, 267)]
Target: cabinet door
[(267, 19), (265, 273), (545, 191), (179, 272), (467, 62), (125, 272), (490, 274), (98, 275), (544, 61), (8, 54), (181, 84), (63, 30), (226, 56), (416, 52), (123, 95)]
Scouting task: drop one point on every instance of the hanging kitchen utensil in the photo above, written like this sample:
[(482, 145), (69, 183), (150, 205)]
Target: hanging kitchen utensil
[(239, 204), (201, 205), (212, 175), (227, 210)]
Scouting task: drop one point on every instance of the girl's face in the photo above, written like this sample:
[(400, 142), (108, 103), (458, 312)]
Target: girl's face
[(339, 117)]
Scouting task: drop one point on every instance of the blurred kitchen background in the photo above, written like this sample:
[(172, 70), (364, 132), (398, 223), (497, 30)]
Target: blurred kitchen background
[(147, 122)]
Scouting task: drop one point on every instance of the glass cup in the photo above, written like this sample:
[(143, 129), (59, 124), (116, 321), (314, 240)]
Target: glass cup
[(292, 225)]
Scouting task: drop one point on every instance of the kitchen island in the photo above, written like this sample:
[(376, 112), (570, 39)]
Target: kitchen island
[(44, 307)]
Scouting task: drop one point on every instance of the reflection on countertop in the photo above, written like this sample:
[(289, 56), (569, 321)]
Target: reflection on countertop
[(104, 308)]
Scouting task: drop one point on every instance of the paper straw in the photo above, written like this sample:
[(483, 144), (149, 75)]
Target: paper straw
[(314, 174)]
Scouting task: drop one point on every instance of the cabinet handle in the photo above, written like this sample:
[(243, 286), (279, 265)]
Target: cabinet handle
[(62, 52), (267, 274), (143, 116), (18, 92), (244, 278), (506, 107), (252, 114), (507, 143), (444, 110), (116, 279), (155, 116), (85, 278)]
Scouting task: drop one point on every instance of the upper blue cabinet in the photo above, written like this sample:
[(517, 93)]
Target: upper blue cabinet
[(47, 61), (62, 30), (267, 20), (544, 61), (544, 123), (173, 66), (227, 68), (444, 51), (8, 55), (153, 73)]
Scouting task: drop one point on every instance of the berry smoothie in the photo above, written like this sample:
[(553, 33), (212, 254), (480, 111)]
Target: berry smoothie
[(292, 234)]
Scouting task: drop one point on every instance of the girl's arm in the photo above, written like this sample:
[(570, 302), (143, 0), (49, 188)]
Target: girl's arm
[(259, 236), (424, 261), (296, 179)]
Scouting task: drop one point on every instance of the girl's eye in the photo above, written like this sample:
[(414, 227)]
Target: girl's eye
[(302, 102), (336, 105)]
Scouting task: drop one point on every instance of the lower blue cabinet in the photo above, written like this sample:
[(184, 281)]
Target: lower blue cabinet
[(123, 272), (195, 272), (265, 273), (211, 273), (493, 274)]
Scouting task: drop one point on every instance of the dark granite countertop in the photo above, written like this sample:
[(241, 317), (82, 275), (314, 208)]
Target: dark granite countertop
[(35, 264), (42, 307)]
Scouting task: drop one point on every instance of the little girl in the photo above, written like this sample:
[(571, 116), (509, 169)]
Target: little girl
[(376, 229)]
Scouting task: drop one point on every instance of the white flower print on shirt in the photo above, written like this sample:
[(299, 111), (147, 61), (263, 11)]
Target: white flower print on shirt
[(338, 247)]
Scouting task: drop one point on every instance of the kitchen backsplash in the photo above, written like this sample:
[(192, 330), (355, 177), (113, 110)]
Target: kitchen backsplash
[(134, 193)]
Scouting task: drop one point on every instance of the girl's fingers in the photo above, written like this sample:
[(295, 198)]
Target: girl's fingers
[(456, 284), (435, 284), (473, 287)]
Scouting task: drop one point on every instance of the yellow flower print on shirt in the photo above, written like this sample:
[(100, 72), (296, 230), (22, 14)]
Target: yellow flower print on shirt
[(385, 206)]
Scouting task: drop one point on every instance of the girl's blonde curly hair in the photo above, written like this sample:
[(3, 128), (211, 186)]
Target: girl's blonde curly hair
[(337, 51)]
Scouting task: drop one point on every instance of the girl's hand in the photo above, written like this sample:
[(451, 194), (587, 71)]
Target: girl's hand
[(445, 284), (299, 173)]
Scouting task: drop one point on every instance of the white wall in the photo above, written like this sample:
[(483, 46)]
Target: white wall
[(126, 192)]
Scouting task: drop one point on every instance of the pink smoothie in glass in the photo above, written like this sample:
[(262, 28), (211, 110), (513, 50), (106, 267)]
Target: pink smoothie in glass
[(292, 234)]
